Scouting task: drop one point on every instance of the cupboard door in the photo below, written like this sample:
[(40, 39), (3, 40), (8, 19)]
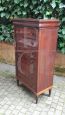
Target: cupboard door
[(27, 67)]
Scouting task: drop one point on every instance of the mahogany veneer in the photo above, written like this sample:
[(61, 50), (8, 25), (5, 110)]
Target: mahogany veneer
[(35, 51)]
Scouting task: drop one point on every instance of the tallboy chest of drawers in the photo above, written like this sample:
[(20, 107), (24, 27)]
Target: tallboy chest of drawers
[(35, 51)]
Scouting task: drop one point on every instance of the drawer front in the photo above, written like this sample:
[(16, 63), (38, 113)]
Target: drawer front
[(27, 67), (26, 38)]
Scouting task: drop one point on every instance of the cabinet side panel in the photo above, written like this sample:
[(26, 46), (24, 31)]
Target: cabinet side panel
[(46, 57)]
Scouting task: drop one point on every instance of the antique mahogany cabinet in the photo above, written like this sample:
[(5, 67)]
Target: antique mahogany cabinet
[(35, 51)]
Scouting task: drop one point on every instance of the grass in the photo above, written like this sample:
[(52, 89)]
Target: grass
[(60, 71), (2, 60), (7, 74)]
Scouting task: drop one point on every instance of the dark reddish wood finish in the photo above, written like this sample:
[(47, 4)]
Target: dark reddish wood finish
[(35, 52)]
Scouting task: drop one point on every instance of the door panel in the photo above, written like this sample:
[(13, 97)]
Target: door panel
[(27, 67)]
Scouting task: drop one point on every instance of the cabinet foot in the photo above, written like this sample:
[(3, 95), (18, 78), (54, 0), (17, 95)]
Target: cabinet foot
[(49, 92), (17, 82), (36, 99)]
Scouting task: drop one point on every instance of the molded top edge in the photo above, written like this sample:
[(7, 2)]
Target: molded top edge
[(39, 23), (34, 20)]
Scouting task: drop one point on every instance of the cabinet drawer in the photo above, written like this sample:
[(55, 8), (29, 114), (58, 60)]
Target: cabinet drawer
[(27, 44), (26, 38)]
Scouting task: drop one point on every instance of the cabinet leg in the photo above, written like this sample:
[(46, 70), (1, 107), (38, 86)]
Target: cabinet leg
[(36, 99), (49, 92), (17, 82)]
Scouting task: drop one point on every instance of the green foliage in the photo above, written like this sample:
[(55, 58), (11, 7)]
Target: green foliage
[(10, 9), (6, 33)]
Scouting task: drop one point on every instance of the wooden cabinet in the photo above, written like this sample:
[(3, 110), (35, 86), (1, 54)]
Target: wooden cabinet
[(36, 42)]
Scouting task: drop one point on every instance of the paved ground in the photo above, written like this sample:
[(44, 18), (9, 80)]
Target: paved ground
[(16, 100)]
